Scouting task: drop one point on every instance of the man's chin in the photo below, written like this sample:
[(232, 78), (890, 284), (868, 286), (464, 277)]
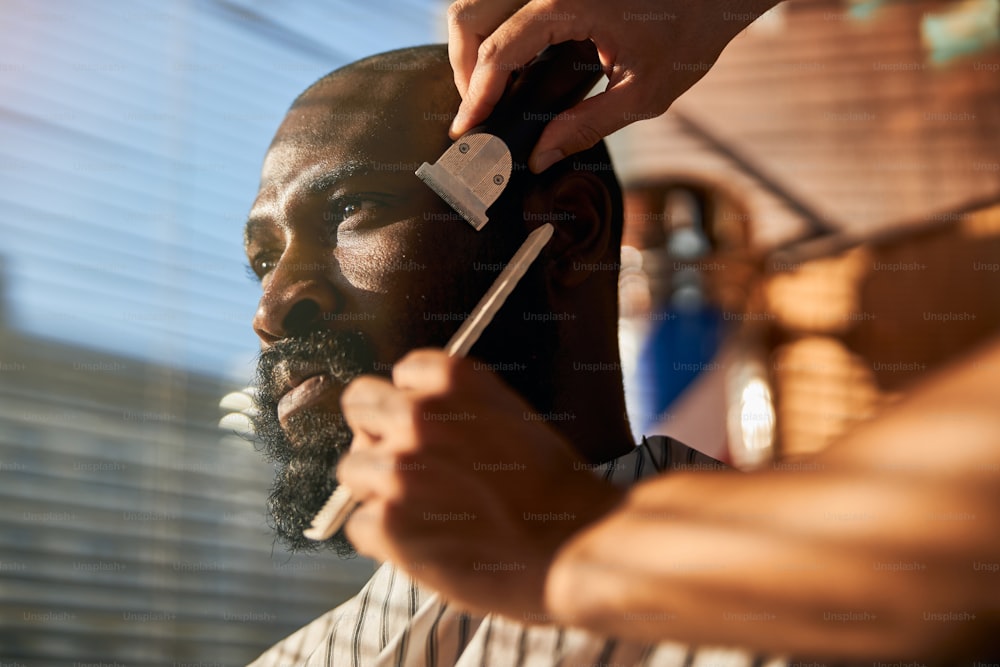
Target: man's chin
[(305, 454), (298, 493)]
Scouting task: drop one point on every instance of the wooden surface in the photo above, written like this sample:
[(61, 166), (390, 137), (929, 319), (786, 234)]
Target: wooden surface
[(847, 120)]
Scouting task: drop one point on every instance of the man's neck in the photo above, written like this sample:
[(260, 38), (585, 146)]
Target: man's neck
[(589, 402), (598, 434)]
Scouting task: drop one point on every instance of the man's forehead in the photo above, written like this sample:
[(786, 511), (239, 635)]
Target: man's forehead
[(370, 101), (330, 127)]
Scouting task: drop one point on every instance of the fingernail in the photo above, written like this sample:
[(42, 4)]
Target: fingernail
[(458, 121), (546, 160)]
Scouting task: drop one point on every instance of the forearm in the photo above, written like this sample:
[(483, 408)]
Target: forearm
[(740, 11), (853, 554)]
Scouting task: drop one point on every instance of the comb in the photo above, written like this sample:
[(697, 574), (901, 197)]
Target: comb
[(475, 170), (338, 508)]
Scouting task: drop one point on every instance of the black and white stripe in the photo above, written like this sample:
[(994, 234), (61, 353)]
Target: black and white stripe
[(394, 623)]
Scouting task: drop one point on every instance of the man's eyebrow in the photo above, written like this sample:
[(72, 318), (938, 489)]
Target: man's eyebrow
[(316, 185), (323, 182), (252, 229)]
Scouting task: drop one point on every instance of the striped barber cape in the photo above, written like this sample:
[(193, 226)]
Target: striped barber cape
[(393, 622)]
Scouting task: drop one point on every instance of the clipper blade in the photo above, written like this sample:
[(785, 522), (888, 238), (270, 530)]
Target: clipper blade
[(470, 175)]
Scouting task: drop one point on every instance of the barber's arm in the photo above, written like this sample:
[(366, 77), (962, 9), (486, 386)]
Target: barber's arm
[(883, 546), (639, 42)]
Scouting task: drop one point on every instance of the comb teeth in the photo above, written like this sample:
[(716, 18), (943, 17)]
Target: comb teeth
[(470, 175), (332, 516)]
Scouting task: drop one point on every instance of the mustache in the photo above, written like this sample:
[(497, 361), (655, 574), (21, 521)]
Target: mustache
[(343, 355)]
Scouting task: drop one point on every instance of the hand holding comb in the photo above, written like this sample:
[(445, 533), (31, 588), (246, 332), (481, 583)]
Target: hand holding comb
[(338, 508)]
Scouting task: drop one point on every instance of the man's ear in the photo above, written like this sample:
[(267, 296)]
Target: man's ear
[(579, 206)]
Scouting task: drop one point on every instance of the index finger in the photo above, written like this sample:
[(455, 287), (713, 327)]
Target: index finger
[(371, 405), (511, 46), (469, 23)]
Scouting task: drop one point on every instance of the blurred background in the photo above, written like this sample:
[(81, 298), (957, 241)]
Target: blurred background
[(812, 229)]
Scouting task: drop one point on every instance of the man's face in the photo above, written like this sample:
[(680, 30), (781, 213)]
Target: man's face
[(359, 262)]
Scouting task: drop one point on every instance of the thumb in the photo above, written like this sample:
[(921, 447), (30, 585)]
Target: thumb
[(585, 124)]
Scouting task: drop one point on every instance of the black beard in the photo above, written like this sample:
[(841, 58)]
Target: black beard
[(303, 478)]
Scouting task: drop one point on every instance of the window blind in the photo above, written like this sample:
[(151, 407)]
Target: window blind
[(132, 529)]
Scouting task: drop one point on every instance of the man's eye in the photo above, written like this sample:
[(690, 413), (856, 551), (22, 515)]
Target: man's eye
[(260, 266), (344, 208)]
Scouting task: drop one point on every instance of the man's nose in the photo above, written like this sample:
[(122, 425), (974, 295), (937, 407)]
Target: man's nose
[(298, 295)]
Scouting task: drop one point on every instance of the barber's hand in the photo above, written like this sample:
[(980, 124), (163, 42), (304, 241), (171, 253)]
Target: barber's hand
[(461, 484), (652, 51)]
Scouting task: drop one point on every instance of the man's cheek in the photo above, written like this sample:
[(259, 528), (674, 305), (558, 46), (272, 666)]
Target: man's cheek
[(361, 267), (380, 260)]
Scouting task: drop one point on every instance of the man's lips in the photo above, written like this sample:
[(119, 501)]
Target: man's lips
[(311, 392)]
